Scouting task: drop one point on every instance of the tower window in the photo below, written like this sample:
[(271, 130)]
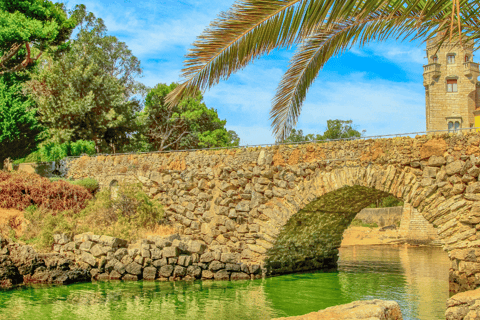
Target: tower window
[(450, 126), (467, 58), (452, 85), (451, 59), (453, 126), (435, 59)]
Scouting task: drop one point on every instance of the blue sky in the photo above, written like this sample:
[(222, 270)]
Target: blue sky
[(379, 86)]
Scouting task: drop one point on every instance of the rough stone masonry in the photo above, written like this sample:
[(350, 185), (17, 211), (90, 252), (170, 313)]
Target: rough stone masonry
[(286, 207)]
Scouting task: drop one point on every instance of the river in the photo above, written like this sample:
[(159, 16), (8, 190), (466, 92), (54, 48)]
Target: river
[(415, 277)]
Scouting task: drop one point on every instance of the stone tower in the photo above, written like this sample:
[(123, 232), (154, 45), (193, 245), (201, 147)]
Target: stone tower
[(452, 92)]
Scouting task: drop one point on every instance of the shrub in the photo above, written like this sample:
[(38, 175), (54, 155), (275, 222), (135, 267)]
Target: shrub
[(125, 216), (18, 190), (51, 151), (88, 183)]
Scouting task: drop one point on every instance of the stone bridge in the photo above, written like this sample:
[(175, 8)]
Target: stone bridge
[(287, 207)]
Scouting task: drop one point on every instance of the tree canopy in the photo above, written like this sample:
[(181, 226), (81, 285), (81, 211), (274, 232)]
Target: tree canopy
[(320, 29), (28, 28), (86, 93), (336, 129), (188, 125), (19, 127)]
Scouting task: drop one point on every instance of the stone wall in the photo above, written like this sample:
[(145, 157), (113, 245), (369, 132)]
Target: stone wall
[(157, 258), (416, 229), (241, 200), (381, 216)]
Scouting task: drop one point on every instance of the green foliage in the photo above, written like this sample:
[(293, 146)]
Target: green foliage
[(188, 125), (49, 151), (87, 92), (359, 223), (336, 129), (29, 27), (20, 129), (88, 183), (387, 202), (126, 216), (130, 211)]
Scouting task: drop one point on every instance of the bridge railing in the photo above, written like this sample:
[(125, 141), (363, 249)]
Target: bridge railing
[(394, 135)]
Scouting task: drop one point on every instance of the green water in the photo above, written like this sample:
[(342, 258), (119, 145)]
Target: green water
[(417, 278)]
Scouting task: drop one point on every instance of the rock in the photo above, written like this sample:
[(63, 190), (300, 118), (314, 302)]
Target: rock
[(130, 277), (114, 275), (464, 305), (434, 147), (96, 250), (216, 265), (166, 271), (239, 276), (367, 309), (86, 246), (120, 253), (194, 271), (88, 258), (160, 262), (155, 254), (170, 252), (243, 206), (454, 167), (436, 161), (222, 275), (179, 271), (184, 260), (232, 267), (473, 188), (196, 247), (149, 273), (134, 268), (119, 267), (228, 258), (207, 274), (112, 242), (207, 257), (61, 239)]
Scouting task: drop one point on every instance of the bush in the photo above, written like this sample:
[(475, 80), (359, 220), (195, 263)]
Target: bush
[(88, 183), (52, 152), (125, 216), (19, 190)]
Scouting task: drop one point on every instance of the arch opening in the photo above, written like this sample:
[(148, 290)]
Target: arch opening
[(310, 239)]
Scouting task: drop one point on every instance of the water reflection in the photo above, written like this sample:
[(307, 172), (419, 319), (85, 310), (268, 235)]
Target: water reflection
[(415, 277)]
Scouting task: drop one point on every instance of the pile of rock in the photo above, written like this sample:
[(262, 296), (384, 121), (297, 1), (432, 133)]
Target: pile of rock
[(21, 264), (156, 258)]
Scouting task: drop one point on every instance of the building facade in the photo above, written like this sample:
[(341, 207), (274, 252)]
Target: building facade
[(452, 91)]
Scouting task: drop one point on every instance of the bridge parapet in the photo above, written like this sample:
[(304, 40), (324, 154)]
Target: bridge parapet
[(244, 201)]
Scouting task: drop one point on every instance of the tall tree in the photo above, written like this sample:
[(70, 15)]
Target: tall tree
[(87, 92), (188, 125), (321, 29), (19, 127), (28, 28)]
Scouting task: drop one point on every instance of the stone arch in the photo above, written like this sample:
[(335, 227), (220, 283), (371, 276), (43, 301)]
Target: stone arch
[(447, 207)]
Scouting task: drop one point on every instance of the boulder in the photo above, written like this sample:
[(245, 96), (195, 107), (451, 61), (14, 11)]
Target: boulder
[(368, 309)]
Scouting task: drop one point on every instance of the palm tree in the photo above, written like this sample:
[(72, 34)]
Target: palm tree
[(320, 29)]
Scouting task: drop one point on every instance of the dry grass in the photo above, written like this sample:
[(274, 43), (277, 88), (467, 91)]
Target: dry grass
[(158, 230), (12, 222)]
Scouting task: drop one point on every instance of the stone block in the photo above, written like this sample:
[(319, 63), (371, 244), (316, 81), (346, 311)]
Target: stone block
[(160, 262), (233, 267), (216, 265), (96, 250), (228, 258), (184, 260), (170, 252), (86, 246), (114, 275), (120, 267), (222, 275), (179, 271), (155, 254), (207, 257), (134, 268), (149, 273), (120, 253), (207, 274), (166, 271), (130, 277), (88, 258), (239, 276), (194, 271), (61, 238)]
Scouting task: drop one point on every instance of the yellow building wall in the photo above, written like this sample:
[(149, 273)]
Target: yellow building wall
[(477, 123)]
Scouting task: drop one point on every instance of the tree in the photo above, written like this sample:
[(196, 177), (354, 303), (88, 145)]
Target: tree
[(19, 128), (321, 29), (86, 92), (336, 129), (29, 27), (188, 125)]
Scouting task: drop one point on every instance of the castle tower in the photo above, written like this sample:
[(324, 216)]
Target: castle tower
[(452, 92)]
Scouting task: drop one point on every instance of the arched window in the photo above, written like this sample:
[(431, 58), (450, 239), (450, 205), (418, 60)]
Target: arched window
[(450, 126), (467, 58), (450, 59), (435, 59), (457, 125)]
